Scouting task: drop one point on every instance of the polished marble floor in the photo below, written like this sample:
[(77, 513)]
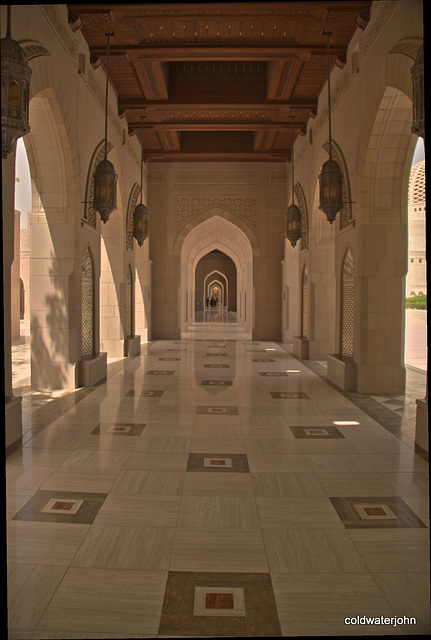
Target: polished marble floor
[(217, 487)]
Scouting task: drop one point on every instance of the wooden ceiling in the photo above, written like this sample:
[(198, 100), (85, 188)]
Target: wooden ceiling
[(219, 81)]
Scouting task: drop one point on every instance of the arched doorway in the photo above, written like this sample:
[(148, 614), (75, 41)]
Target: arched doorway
[(217, 234), (382, 205), (216, 277)]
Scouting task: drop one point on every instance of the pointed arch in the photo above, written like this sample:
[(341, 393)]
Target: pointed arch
[(133, 199), (302, 204), (215, 232)]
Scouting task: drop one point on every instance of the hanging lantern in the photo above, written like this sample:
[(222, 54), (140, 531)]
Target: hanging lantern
[(331, 177), (15, 85), (140, 223), (105, 178), (105, 189), (417, 72), (293, 215), (331, 186), (293, 224), (140, 216)]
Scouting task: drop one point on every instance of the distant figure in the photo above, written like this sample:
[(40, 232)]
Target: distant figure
[(208, 301)]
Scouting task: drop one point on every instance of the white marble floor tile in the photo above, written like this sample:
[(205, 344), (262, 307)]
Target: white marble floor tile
[(311, 551), (44, 543), (231, 550), (107, 600), (297, 513), (126, 547), (160, 511)]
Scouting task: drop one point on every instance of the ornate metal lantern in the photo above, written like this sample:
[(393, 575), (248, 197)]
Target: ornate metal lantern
[(15, 85), (293, 215), (417, 72), (140, 216), (331, 177), (105, 178)]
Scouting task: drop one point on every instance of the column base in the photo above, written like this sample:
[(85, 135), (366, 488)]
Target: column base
[(132, 346), (301, 347), (421, 435), (13, 423), (341, 372), (93, 370)]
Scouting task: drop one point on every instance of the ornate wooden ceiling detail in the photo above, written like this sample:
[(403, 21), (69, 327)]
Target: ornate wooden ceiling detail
[(219, 81)]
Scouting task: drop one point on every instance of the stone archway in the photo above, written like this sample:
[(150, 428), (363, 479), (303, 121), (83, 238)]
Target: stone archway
[(382, 206), (217, 233)]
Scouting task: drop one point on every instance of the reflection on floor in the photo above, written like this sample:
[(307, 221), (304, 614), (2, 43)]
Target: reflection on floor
[(217, 487)]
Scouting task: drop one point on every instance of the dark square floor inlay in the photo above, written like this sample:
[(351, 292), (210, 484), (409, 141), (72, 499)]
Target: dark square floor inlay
[(217, 410), (170, 359), (215, 355), (235, 605), (216, 366), (262, 360), (323, 433), (273, 374), (160, 373), (145, 393), (216, 383), (218, 462), (118, 429), (62, 506), (376, 513), (289, 395)]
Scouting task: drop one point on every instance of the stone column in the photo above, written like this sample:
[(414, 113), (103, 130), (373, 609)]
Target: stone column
[(54, 293)]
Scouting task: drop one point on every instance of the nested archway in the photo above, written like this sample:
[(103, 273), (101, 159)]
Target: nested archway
[(382, 179), (217, 234)]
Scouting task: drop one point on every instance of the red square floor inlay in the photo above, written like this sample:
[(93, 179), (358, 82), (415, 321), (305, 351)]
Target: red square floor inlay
[(375, 511), (64, 506), (219, 601), (219, 462)]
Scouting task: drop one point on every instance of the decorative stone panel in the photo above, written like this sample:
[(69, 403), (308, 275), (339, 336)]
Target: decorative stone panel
[(189, 207)]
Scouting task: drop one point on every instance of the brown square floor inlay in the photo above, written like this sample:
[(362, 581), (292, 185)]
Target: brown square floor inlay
[(215, 354), (233, 605), (62, 506), (218, 462), (376, 513), (216, 383), (118, 429), (262, 360), (324, 433), (214, 410), (289, 395), (170, 359), (273, 374), (216, 366), (145, 393), (160, 373)]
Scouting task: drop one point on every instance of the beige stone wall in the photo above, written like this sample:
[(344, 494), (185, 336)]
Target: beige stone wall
[(371, 125), (67, 126), (252, 197)]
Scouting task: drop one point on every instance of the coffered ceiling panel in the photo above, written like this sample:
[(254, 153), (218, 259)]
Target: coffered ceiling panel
[(218, 81)]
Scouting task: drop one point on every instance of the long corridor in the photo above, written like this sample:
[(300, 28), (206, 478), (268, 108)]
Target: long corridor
[(217, 487)]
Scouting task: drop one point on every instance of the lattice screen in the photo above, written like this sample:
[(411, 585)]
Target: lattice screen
[(129, 304), (347, 305), (305, 305), (87, 305)]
